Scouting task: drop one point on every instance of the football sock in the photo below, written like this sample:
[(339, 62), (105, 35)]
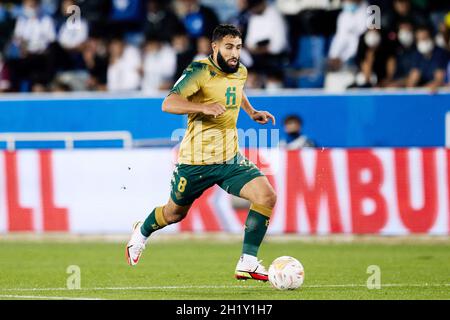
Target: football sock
[(255, 228), (138, 236), (154, 221)]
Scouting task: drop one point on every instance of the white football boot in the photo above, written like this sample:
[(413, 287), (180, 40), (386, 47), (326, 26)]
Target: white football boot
[(136, 245), (250, 269)]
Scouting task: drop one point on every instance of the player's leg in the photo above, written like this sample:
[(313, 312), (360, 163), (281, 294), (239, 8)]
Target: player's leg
[(263, 199), (242, 178), (159, 218), (187, 184), (163, 216)]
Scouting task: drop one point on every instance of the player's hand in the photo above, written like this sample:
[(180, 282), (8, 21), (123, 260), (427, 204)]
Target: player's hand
[(213, 109), (263, 117)]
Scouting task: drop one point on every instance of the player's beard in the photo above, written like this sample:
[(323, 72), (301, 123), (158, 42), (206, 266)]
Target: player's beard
[(225, 66)]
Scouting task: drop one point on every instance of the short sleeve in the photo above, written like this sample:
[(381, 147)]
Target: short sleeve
[(192, 79)]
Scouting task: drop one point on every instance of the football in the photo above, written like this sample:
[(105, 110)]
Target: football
[(286, 273)]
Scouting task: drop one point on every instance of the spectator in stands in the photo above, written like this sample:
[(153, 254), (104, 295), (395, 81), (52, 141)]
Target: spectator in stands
[(33, 34), (126, 15), (6, 26), (50, 7), (295, 139), (266, 29), (184, 51), (198, 20), (72, 33), (34, 31), (96, 14), (430, 62), (203, 48), (309, 17), (240, 20), (402, 10), (254, 81), (405, 51), (267, 41), (385, 5), (5, 83), (124, 66), (159, 65), (160, 20), (351, 24), (311, 23), (438, 10), (95, 58), (443, 36), (294, 7), (375, 59)]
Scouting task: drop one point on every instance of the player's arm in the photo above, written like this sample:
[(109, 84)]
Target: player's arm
[(261, 117), (190, 82), (176, 104)]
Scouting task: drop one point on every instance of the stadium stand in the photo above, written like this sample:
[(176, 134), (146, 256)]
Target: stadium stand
[(48, 46)]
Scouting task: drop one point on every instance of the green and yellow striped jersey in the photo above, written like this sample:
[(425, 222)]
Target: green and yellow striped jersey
[(210, 140)]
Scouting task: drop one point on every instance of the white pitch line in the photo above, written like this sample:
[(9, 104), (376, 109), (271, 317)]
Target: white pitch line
[(382, 285), (221, 287), (9, 296), (129, 288)]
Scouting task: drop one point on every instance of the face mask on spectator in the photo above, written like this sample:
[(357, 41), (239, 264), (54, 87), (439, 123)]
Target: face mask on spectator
[(349, 6), (372, 39), (406, 38), (425, 46), (440, 41)]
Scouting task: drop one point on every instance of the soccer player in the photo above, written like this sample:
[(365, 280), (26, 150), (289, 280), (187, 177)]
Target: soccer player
[(211, 92)]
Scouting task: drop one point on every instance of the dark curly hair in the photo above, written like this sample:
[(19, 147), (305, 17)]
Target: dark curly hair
[(224, 30)]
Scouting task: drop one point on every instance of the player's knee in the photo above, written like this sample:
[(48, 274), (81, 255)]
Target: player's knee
[(271, 200), (171, 218), (174, 217), (268, 199)]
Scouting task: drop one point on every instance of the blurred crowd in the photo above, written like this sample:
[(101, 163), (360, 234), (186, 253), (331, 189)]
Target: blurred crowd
[(144, 45)]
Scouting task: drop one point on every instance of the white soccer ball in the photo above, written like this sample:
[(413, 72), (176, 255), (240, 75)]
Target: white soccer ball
[(286, 273)]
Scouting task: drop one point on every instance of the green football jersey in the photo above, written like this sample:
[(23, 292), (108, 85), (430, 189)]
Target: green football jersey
[(210, 139)]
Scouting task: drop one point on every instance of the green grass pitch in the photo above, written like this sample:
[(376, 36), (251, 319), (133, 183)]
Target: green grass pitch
[(203, 269)]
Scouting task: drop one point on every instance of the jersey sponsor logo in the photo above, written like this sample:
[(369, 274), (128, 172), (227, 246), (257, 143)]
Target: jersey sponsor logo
[(231, 96)]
